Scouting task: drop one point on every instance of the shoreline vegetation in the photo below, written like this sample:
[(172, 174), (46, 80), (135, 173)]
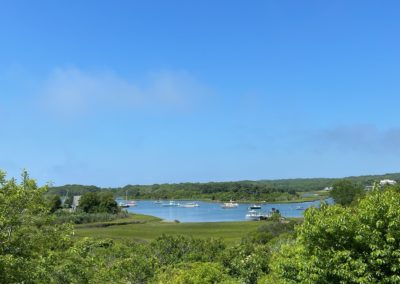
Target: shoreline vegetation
[(317, 195), (145, 228), (268, 191)]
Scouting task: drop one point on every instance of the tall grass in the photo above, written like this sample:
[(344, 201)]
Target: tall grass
[(84, 218)]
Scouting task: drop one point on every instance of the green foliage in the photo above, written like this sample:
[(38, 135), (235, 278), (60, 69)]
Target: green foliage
[(54, 203), (94, 202), (345, 244), (150, 229), (264, 190), (171, 249), (246, 262), (27, 240), (84, 218), (267, 232), (345, 192), (74, 189), (68, 201), (195, 273), (245, 190)]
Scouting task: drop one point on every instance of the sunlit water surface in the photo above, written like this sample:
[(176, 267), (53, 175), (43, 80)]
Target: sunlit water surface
[(213, 212)]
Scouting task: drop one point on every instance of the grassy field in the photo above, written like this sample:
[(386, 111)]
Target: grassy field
[(313, 195), (146, 228)]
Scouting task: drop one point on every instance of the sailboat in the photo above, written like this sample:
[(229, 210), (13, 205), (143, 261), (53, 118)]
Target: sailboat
[(127, 203)]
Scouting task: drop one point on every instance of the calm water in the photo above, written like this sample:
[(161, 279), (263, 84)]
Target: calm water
[(212, 212)]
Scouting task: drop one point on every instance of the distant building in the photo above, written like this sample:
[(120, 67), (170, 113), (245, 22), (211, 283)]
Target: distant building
[(328, 188), (75, 202), (368, 187), (387, 182)]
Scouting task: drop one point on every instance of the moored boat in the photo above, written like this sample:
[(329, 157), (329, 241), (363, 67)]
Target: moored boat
[(255, 206), (189, 205), (229, 205), (253, 215), (123, 205), (131, 203), (170, 204)]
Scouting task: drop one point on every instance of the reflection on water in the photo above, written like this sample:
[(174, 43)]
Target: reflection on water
[(212, 212)]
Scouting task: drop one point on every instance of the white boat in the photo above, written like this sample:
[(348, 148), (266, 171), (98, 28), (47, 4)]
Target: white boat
[(127, 203), (255, 206), (229, 205), (158, 202), (300, 208), (253, 215), (170, 204), (123, 205), (189, 205), (131, 203)]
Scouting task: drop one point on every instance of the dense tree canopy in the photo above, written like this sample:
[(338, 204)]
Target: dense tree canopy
[(54, 203), (345, 244), (98, 202), (344, 192), (28, 241), (263, 190)]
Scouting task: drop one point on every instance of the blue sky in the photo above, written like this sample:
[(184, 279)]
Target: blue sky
[(139, 92)]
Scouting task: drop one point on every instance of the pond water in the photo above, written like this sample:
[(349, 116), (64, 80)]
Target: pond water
[(213, 212)]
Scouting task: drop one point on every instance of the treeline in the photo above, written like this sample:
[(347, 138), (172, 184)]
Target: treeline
[(264, 190), (312, 184), (209, 191)]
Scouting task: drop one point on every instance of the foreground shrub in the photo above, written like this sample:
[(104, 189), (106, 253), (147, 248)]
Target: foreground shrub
[(98, 202), (84, 218), (345, 245), (29, 243), (174, 249), (195, 273), (246, 262)]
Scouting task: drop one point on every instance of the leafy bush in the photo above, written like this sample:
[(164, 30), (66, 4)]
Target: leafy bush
[(345, 244), (267, 232), (195, 273), (246, 262), (94, 202), (345, 192), (173, 249), (84, 218)]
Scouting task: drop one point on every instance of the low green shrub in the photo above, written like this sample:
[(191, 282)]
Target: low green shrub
[(84, 218)]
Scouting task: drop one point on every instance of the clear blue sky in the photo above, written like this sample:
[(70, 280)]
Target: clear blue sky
[(118, 92)]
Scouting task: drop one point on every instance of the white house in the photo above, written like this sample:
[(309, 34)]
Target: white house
[(75, 201), (387, 182)]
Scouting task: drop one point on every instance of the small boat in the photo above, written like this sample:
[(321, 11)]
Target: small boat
[(255, 206), (158, 202), (229, 205), (253, 215), (131, 203), (126, 204), (123, 205), (300, 208), (189, 205), (170, 204)]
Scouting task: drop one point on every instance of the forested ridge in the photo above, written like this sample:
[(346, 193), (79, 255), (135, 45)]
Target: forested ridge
[(263, 190)]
